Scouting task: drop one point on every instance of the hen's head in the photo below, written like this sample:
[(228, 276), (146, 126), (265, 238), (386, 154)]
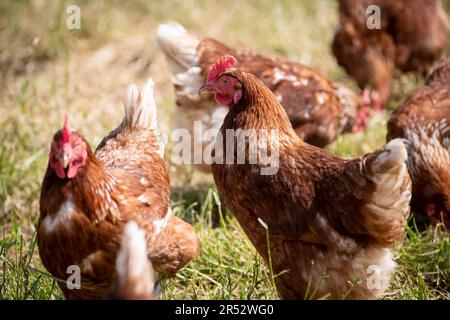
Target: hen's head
[(226, 86), (68, 152)]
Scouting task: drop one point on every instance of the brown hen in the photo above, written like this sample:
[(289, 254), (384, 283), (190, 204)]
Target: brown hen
[(331, 222), (87, 198), (423, 119)]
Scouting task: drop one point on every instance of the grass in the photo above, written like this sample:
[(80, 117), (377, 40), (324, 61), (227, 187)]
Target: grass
[(47, 69)]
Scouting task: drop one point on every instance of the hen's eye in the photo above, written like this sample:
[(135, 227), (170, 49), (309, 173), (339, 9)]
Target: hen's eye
[(225, 81)]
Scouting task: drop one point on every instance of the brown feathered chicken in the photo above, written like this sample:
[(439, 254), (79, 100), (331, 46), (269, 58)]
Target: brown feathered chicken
[(331, 221), (135, 278), (412, 35), (424, 120), (318, 109), (87, 197)]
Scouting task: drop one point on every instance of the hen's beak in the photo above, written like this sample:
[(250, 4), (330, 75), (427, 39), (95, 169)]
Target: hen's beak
[(64, 162), (207, 87)]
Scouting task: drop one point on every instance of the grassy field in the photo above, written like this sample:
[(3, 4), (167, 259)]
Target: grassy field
[(47, 69)]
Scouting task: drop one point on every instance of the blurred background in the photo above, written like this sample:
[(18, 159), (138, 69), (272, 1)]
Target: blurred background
[(47, 69)]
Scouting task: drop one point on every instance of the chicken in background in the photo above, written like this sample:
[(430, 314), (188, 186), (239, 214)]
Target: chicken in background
[(318, 109), (87, 198), (135, 278), (424, 120), (331, 222), (413, 34)]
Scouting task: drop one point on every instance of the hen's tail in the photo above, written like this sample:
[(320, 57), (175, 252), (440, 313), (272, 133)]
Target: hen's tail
[(183, 60), (388, 207), (179, 47), (140, 111), (135, 275), (140, 108)]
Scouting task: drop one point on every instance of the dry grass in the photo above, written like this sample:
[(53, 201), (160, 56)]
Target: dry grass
[(47, 69)]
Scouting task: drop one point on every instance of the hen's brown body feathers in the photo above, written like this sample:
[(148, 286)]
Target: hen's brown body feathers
[(329, 219), (424, 120), (82, 218)]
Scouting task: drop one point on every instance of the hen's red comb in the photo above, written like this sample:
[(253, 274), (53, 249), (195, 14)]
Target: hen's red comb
[(66, 129), (221, 65)]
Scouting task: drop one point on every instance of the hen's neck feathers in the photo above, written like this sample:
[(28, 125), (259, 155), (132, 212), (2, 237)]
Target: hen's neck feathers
[(257, 109), (94, 190), (99, 190)]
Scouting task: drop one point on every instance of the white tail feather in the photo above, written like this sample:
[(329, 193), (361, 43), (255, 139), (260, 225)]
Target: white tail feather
[(140, 108), (132, 263), (140, 111), (394, 156), (389, 171), (179, 47)]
